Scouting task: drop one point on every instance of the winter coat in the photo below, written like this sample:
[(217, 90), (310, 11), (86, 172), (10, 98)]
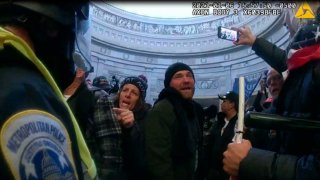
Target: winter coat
[(271, 54), (217, 145), (299, 154), (133, 147), (173, 132), (38, 129)]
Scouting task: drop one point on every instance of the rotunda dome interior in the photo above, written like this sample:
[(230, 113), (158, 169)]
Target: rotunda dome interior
[(141, 38)]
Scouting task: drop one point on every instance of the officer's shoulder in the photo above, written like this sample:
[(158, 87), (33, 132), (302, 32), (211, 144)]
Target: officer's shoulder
[(18, 77)]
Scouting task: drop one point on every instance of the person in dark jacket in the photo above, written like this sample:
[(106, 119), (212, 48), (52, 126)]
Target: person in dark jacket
[(173, 128), (266, 138), (298, 155), (221, 135), (100, 87), (132, 127), (119, 131), (269, 52), (210, 114), (40, 136), (102, 83), (262, 95)]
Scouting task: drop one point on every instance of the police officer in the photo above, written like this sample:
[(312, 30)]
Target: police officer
[(40, 137)]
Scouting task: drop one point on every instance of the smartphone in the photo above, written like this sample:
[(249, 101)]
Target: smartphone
[(228, 34)]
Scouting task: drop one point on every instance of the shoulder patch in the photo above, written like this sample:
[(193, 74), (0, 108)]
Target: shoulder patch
[(36, 145)]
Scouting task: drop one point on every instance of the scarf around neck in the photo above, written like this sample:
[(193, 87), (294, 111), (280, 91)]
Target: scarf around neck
[(188, 120)]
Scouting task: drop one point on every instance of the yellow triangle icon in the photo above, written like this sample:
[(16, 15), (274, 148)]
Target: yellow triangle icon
[(304, 11)]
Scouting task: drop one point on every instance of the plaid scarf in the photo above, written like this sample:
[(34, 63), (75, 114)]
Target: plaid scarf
[(108, 134)]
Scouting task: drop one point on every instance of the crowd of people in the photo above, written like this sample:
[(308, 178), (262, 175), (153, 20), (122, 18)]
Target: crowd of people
[(55, 125)]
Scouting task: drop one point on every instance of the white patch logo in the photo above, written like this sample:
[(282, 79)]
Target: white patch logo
[(36, 145)]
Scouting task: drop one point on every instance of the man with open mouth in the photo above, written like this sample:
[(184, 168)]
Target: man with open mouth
[(173, 128)]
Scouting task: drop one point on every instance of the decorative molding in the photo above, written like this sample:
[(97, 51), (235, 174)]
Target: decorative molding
[(193, 35), (120, 48), (164, 29), (207, 84)]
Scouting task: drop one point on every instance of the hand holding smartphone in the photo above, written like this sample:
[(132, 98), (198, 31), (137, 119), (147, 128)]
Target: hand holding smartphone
[(228, 34)]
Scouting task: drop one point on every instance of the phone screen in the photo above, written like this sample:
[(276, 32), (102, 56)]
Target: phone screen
[(228, 34)]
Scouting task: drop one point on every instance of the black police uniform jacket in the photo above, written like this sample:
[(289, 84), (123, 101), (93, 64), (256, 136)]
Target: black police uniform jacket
[(38, 136)]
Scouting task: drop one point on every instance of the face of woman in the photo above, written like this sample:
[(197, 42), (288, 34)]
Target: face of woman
[(129, 96)]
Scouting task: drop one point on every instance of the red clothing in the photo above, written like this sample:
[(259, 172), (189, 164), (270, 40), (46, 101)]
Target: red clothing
[(269, 100), (304, 55)]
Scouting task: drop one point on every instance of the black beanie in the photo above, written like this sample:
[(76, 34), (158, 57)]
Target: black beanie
[(172, 69)]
